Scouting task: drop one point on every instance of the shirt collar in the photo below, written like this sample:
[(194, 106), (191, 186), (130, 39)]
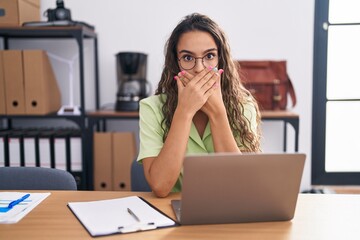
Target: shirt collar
[(194, 135)]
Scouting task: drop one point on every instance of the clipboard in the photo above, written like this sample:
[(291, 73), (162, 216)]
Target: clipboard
[(120, 215)]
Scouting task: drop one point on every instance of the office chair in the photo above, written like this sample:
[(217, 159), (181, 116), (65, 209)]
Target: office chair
[(35, 178), (138, 180)]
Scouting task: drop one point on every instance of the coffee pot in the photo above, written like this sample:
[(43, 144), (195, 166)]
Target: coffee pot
[(131, 79)]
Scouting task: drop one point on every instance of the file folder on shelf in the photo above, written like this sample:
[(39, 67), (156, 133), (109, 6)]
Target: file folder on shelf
[(3, 139), (60, 150), (30, 145), (121, 215), (75, 150), (42, 94), (14, 81), (103, 161), (124, 153), (15, 150), (2, 86), (45, 156), (4, 134)]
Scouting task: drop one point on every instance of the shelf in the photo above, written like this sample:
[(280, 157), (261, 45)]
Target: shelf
[(78, 33), (47, 32)]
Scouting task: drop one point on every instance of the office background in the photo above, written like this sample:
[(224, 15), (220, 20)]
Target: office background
[(260, 29)]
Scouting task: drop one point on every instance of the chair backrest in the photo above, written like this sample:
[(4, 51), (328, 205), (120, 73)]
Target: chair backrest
[(35, 178), (138, 180)]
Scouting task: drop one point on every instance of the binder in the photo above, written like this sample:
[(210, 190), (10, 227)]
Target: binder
[(45, 149), (124, 152), (75, 156), (14, 82), (5, 135), (60, 150), (103, 161), (121, 215), (14, 140), (75, 150), (2, 148), (20, 132), (29, 139), (2, 86), (42, 94)]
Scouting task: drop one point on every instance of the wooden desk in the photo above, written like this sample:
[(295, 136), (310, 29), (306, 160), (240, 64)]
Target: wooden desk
[(318, 216)]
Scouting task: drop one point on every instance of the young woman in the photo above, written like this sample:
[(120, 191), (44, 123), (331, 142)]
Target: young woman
[(200, 105)]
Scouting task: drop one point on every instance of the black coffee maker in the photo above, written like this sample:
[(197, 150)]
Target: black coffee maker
[(132, 83)]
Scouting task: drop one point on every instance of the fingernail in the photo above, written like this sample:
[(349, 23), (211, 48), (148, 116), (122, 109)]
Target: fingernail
[(215, 69), (175, 78), (210, 67), (183, 72), (221, 71)]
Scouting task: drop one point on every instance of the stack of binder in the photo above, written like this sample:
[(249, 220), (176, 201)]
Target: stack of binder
[(43, 147)]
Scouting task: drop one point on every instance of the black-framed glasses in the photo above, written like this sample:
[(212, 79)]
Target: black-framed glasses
[(188, 62)]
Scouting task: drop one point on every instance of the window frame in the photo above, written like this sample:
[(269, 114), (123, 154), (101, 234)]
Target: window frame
[(318, 174)]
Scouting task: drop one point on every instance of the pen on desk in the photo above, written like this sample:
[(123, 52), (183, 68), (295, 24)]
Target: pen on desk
[(133, 214), (15, 202)]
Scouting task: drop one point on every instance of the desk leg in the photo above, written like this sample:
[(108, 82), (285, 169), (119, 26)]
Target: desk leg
[(90, 145), (295, 124)]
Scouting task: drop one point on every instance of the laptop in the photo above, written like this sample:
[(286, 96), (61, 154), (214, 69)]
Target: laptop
[(237, 188)]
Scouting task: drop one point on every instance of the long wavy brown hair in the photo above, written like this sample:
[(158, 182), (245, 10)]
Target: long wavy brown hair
[(233, 92)]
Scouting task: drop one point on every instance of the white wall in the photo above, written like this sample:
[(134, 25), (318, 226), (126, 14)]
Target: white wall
[(259, 29)]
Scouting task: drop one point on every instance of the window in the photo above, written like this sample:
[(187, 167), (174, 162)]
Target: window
[(336, 93)]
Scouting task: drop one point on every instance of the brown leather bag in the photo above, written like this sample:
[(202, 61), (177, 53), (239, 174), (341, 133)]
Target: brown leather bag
[(269, 83)]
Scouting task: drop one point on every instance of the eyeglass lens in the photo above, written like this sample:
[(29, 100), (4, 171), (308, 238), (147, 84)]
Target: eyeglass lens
[(189, 64)]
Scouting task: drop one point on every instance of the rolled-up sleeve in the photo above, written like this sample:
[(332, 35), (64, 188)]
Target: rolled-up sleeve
[(250, 114), (151, 133)]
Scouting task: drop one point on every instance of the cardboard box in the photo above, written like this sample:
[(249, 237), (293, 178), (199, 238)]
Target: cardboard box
[(42, 94), (124, 153), (2, 86), (16, 12), (14, 82)]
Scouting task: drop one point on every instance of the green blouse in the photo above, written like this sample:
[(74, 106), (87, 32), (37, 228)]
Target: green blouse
[(151, 133)]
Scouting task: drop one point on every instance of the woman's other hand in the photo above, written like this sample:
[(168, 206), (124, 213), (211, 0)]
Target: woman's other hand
[(214, 104)]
